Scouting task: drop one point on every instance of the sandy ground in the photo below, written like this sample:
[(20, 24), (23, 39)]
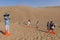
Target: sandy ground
[(20, 14)]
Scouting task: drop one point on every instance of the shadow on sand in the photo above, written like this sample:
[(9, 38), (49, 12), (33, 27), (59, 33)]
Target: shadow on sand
[(58, 26), (42, 31), (1, 32)]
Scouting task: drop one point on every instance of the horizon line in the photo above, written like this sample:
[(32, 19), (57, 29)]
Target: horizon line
[(29, 6)]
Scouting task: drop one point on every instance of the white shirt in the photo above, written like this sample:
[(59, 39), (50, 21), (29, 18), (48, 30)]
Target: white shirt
[(29, 23)]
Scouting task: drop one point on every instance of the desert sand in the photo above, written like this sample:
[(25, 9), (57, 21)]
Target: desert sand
[(20, 14)]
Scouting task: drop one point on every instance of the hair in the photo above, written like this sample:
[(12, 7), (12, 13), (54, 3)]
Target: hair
[(6, 15)]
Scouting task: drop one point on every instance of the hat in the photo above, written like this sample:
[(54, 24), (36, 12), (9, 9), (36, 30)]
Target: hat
[(6, 14)]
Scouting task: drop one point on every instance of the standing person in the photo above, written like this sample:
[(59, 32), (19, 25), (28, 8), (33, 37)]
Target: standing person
[(52, 26), (7, 23), (28, 23), (37, 24), (48, 26)]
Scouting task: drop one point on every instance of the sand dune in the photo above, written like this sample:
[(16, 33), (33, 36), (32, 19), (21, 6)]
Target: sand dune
[(19, 14)]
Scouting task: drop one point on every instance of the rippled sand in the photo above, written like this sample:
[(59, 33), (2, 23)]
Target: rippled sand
[(20, 14)]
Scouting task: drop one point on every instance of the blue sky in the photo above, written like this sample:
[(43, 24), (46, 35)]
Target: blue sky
[(33, 3)]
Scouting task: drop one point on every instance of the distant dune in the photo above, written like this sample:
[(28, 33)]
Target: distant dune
[(19, 14)]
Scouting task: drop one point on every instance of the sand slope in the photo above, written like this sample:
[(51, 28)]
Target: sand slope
[(19, 14)]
